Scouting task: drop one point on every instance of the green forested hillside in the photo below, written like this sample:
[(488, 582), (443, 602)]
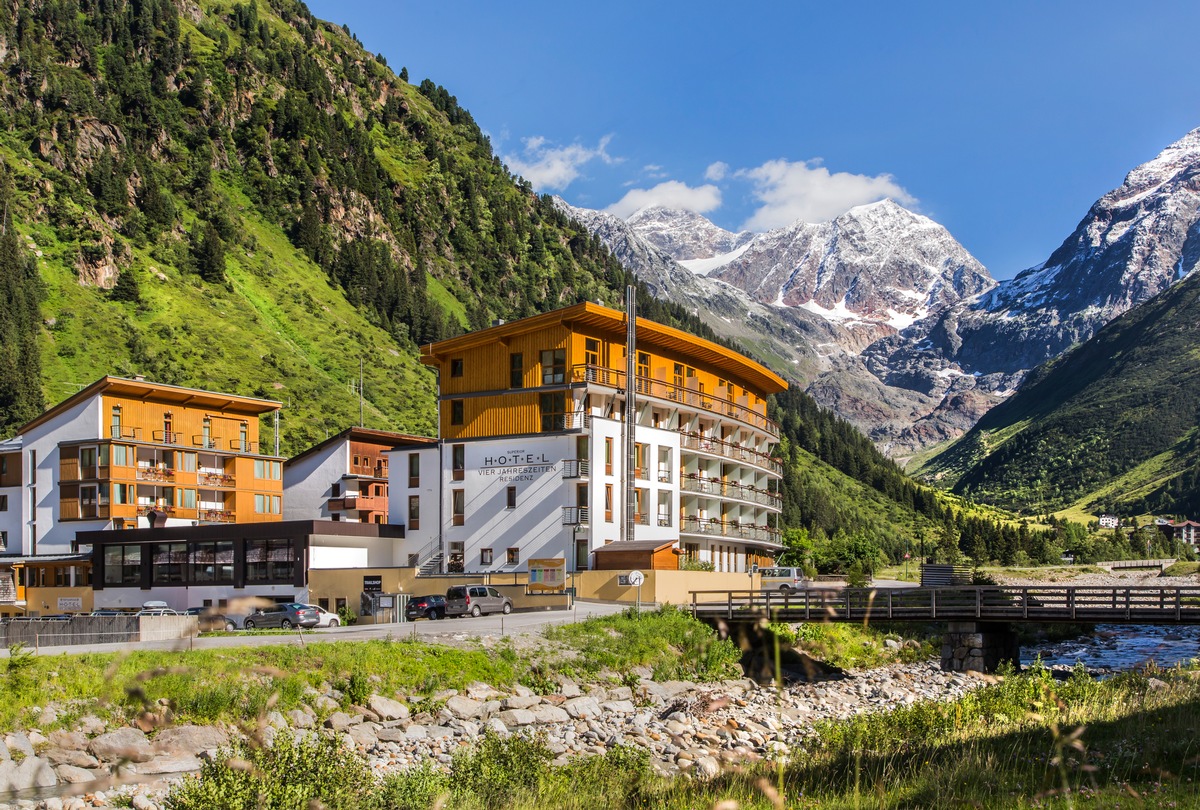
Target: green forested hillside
[(237, 196), (1111, 426)]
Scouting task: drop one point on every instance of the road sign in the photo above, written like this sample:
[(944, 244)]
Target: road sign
[(636, 578)]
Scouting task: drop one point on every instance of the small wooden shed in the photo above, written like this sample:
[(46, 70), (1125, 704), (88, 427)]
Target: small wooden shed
[(645, 555)]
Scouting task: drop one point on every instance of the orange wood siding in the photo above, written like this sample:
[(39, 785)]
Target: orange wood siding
[(186, 422), (486, 368), (666, 559), (501, 415)]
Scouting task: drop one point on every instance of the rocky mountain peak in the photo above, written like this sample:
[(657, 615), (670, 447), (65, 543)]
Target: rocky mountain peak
[(684, 235)]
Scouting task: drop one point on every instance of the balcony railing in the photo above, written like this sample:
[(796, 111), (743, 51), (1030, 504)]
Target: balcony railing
[(120, 432), (735, 452), (576, 468), (571, 420), (692, 524), (144, 509), (218, 516), (206, 442), (611, 378), (167, 436), (215, 479), (239, 446), (155, 474), (641, 518), (575, 515), (726, 489)]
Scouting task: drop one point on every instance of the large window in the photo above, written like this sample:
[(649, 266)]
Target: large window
[(269, 561), (554, 366), (212, 561), (267, 504), (516, 370), (169, 560), (591, 352), (269, 470), (123, 565), (553, 411)]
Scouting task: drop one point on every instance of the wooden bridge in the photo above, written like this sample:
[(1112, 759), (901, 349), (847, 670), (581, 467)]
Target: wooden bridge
[(1010, 604)]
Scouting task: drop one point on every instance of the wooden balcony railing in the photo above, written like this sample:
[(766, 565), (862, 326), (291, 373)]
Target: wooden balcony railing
[(729, 450)]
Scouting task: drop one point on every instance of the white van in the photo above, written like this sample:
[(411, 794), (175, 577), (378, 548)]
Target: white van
[(786, 580)]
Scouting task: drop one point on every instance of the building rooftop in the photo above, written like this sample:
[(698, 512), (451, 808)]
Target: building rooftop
[(360, 434)]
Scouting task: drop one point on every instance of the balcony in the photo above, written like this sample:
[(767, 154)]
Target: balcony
[(575, 515), (714, 527), (119, 432), (571, 420), (714, 486), (209, 478), (144, 509), (159, 473), (576, 468), (352, 501), (206, 442), (731, 451), (167, 436), (239, 446), (217, 516), (611, 378)]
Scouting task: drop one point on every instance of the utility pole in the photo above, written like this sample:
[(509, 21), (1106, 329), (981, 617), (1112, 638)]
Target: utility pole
[(360, 392), (629, 423)]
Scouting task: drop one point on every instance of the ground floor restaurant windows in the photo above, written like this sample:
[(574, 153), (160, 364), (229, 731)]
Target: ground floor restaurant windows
[(254, 561)]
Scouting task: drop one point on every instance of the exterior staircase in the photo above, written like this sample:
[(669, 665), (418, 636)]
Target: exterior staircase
[(432, 566)]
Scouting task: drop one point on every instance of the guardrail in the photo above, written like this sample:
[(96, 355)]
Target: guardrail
[(1134, 605)]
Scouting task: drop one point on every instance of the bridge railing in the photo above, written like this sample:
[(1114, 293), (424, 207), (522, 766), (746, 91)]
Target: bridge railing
[(987, 603)]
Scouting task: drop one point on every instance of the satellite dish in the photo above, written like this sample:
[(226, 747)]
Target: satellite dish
[(636, 578)]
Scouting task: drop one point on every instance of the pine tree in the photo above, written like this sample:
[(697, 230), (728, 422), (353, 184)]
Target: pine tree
[(208, 252)]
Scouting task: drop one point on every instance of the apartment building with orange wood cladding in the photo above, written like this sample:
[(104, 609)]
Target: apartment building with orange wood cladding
[(121, 451), (533, 460)]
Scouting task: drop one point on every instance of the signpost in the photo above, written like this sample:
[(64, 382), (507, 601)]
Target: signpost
[(636, 578)]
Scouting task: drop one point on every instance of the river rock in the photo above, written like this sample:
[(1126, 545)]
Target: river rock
[(73, 775), (29, 773), (387, 708), (124, 743), (192, 739), (520, 702), (68, 756), (516, 717), (463, 708), (340, 721), (546, 713), (581, 708), (169, 763)]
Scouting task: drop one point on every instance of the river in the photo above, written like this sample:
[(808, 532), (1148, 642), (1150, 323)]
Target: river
[(1120, 646)]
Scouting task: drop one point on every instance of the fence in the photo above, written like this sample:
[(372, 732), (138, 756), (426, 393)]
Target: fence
[(77, 630)]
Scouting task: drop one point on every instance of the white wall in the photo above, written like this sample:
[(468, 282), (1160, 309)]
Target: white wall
[(415, 540), (308, 482), (534, 466)]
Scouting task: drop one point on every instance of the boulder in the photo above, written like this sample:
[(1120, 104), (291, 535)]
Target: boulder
[(387, 708), (72, 740), (124, 743), (582, 708), (170, 763), (190, 739), (520, 702), (340, 721), (545, 713), (516, 717), (73, 775), (29, 773), (463, 708), (69, 756)]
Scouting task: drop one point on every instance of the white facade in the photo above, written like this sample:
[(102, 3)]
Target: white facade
[(420, 536), (308, 479)]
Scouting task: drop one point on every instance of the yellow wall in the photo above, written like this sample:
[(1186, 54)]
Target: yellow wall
[(346, 583), (663, 587)]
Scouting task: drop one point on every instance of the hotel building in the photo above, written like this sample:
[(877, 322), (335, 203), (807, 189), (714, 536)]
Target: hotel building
[(534, 462)]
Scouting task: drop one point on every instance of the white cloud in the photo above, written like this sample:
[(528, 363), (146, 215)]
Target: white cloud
[(555, 167), (716, 171), (806, 190), (671, 194)]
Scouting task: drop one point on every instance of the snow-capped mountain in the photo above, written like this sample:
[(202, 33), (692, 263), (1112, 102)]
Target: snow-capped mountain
[(684, 235), (886, 319)]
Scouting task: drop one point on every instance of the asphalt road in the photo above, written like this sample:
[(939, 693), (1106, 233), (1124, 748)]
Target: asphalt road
[(424, 629)]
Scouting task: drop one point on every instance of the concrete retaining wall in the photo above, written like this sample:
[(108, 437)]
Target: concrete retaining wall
[(38, 633)]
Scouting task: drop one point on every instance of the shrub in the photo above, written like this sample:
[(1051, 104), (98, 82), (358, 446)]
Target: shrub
[(498, 769), (416, 789), (290, 774)]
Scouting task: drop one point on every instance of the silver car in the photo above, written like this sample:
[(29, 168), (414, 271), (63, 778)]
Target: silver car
[(286, 616), (476, 600)]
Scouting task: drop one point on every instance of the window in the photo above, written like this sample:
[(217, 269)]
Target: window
[(608, 502), (458, 502), (243, 438), (119, 453), (456, 367), (591, 352), (266, 504), (87, 459), (516, 370), (206, 439), (267, 470), (485, 556), (510, 501), (3, 503), (189, 498), (3, 540), (123, 565), (553, 411), (608, 455), (456, 411), (513, 556), (639, 461), (643, 372), (270, 560), (168, 561), (212, 561), (458, 454), (115, 431), (187, 462), (664, 508), (414, 469), (414, 512), (554, 366)]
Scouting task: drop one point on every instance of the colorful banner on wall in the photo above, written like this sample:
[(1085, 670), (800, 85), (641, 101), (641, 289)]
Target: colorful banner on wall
[(548, 574)]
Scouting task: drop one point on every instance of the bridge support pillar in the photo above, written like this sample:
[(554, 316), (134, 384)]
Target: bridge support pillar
[(979, 646)]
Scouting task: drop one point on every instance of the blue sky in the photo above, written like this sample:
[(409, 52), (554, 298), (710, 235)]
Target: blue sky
[(1003, 122)]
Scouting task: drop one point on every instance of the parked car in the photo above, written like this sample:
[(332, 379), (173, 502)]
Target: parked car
[(432, 606), (325, 618), (786, 580), (476, 600), (210, 621), (287, 615), (157, 611)]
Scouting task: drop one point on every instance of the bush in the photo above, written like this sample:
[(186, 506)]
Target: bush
[(417, 789), (291, 774), (498, 769)]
